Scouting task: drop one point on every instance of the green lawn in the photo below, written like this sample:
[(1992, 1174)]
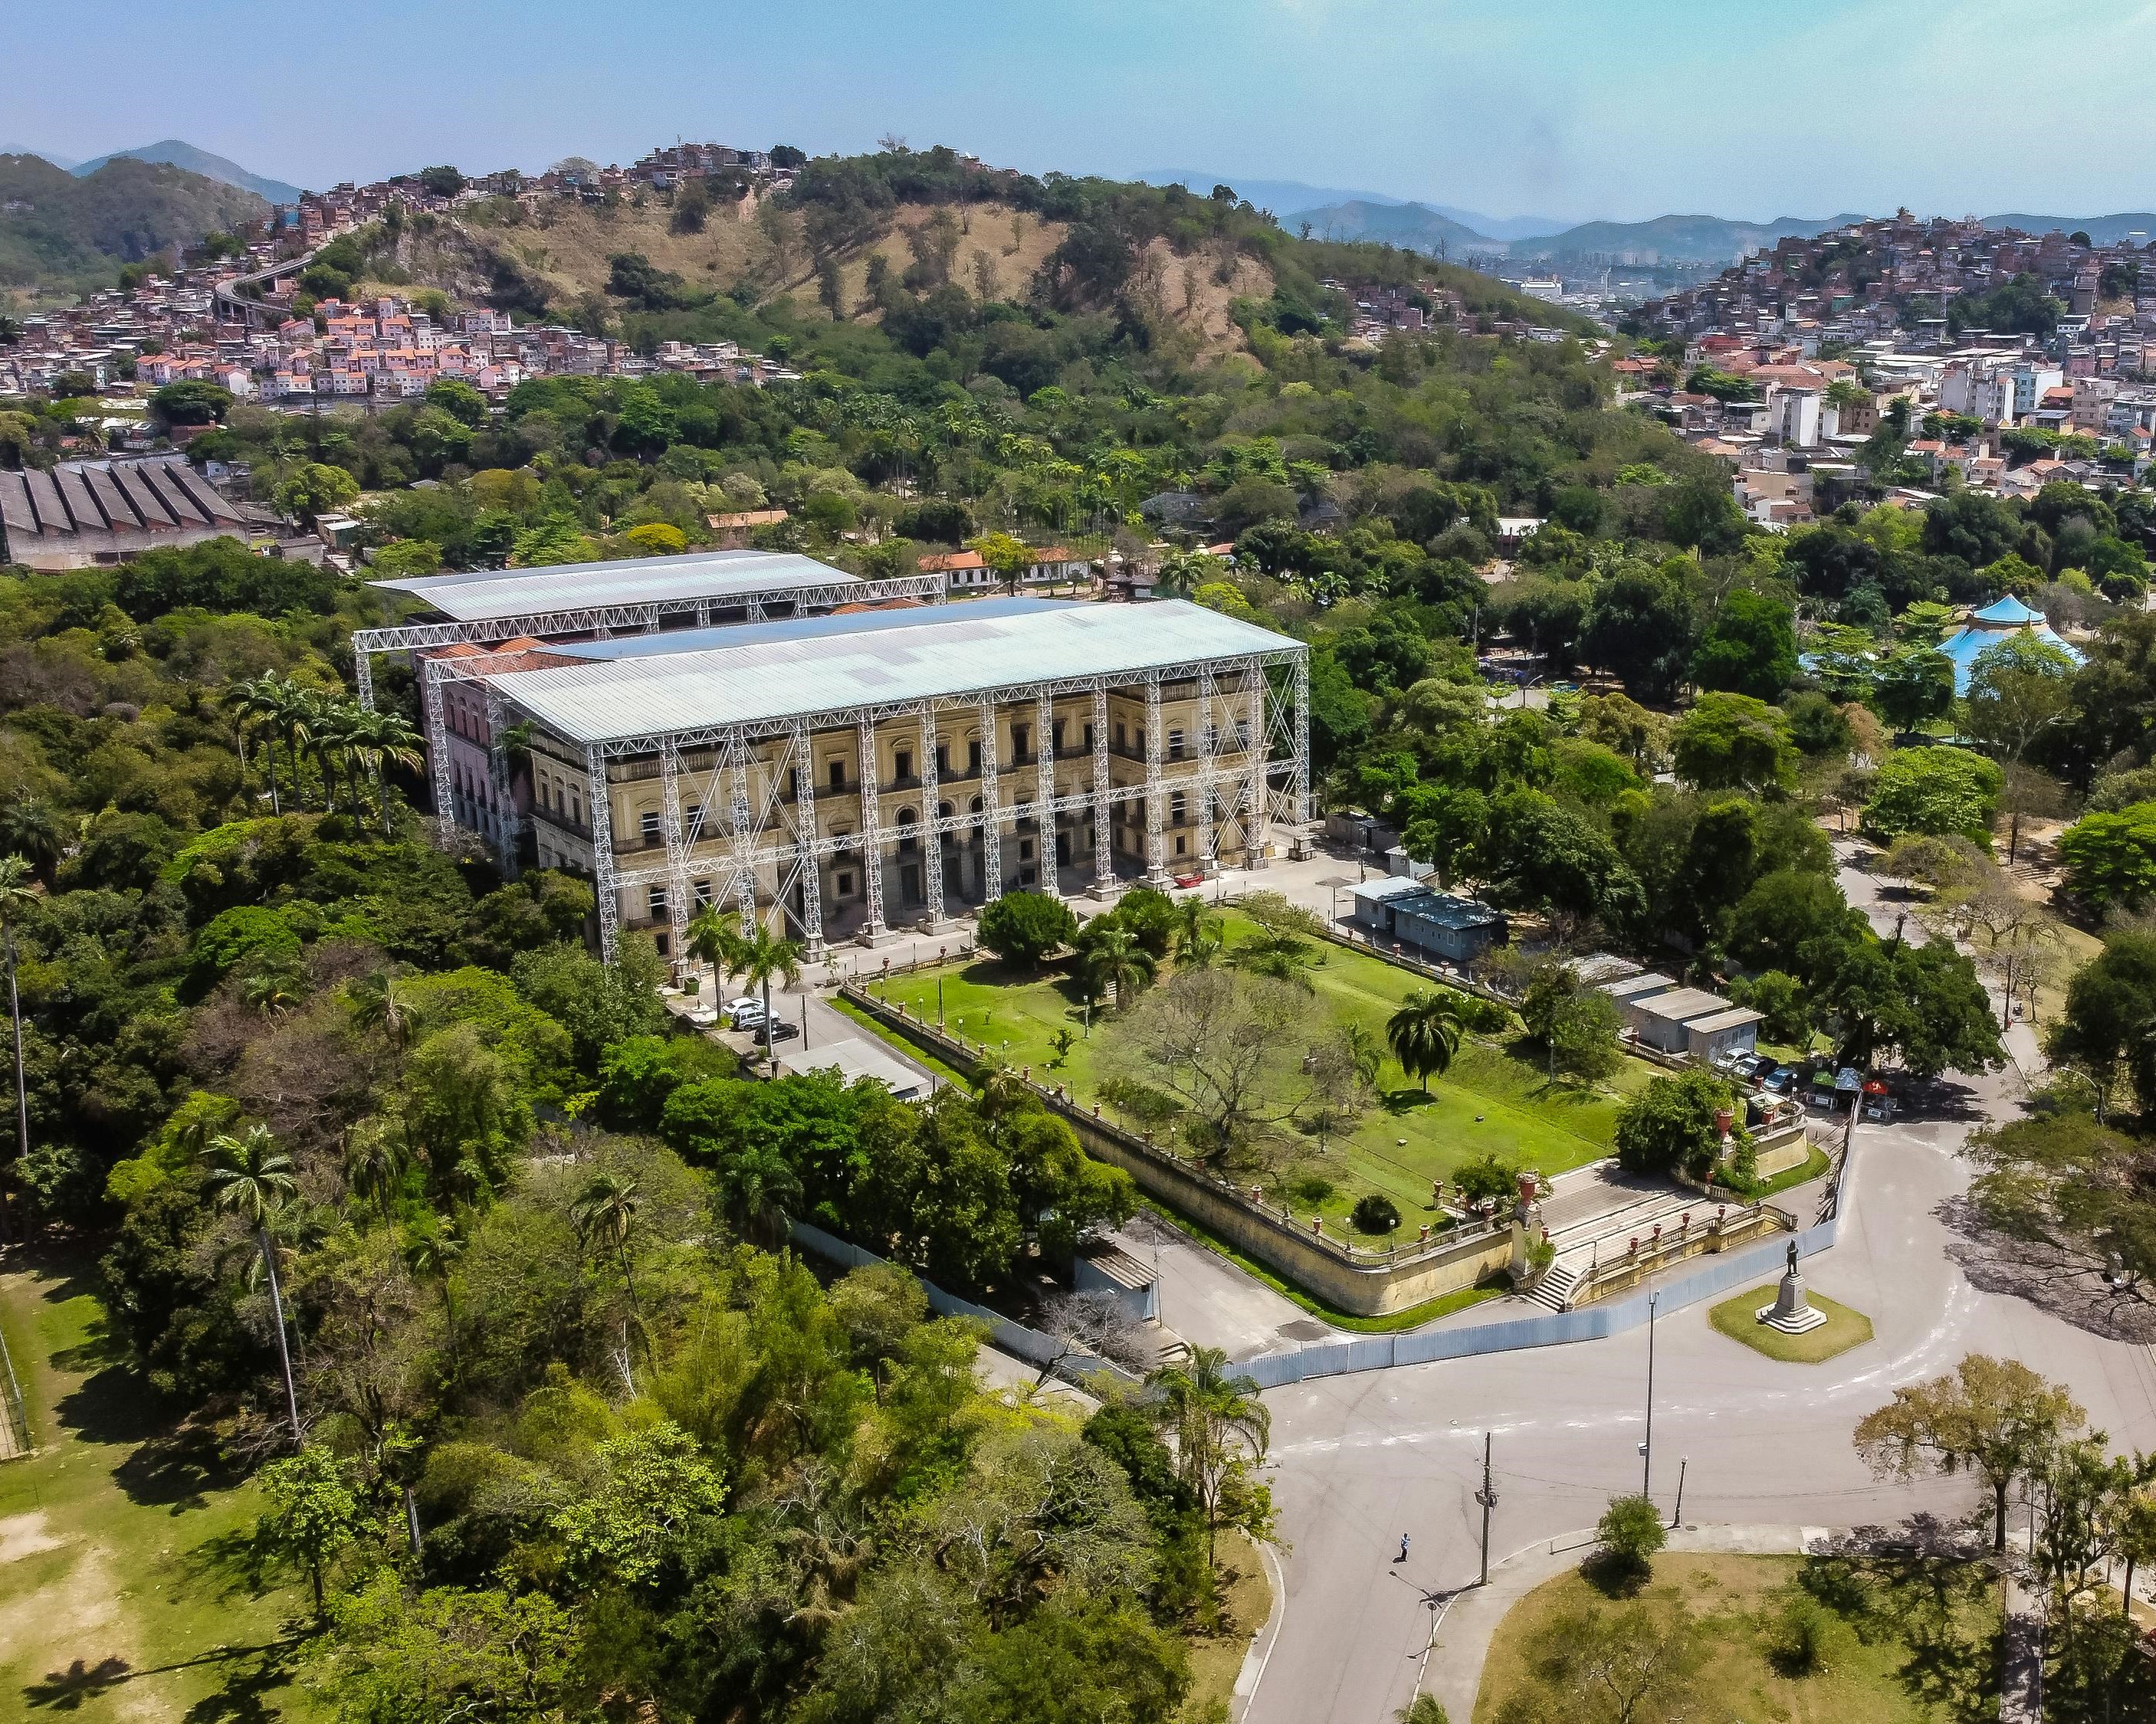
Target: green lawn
[(124, 1579), (1738, 1319), (1489, 1101), (1900, 1642)]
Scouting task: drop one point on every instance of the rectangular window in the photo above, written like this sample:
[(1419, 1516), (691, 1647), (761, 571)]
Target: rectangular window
[(1121, 740), (1175, 745), (838, 775), (648, 826), (692, 820), (701, 892), (1025, 849), (1178, 809), (656, 899), (902, 763), (942, 760), (576, 809), (1020, 737), (845, 886), (974, 758), (1056, 734), (1178, 845), (1089, 739)]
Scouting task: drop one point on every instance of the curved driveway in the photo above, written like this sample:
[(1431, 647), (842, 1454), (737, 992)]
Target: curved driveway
[(1363, 1459)]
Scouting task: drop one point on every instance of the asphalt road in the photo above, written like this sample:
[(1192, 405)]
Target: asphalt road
[(1363, 1459)]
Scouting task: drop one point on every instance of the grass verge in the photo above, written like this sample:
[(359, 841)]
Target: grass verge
[(128, 1587), (1216, 1659), (1843, 1329), (1893, 1641)]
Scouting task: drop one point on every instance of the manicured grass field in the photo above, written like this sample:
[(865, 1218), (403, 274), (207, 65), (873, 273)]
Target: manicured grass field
[(1737, 1318), (1489, 1101), (124, 1573), (1903, 1642)]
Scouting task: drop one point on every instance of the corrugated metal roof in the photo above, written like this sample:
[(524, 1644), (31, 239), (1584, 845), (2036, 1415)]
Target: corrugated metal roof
[(813, 667), (716, 575)]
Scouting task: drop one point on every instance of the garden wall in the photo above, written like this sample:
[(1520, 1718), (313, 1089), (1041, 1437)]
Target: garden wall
[(1345, 1277)]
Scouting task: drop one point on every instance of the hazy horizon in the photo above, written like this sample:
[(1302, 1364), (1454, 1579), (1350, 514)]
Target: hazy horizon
[(1590, 110)]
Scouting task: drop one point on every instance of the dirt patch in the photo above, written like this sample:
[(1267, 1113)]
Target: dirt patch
[(25, 1536)]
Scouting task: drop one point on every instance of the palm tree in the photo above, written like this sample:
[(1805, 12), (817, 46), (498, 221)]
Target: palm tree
[(374, 1164), (759, 1191), (1115, 963), (269, 991), (258, 704), (1425, 1033), (757, 957), (431, 1257), (28, 830), (1220, 1427), (1278, 955), (252, 1177), (16, 898), (378, 739), (710, 935), (605, 1212), (1197, 940), (291, 720), (1365, 1052), (379, 1000)]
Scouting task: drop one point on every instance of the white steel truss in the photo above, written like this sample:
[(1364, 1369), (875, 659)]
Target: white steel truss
[(1044, 801), (871, 828), (991, 824), (930, 831), (1155, 797), (1104, 858), (603, 622)]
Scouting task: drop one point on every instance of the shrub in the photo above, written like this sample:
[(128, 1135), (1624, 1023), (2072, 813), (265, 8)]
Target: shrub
[(1024, 927), (1375, 1213), (1626, 1538)]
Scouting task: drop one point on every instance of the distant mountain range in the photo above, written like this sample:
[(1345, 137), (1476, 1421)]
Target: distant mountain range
[(1668, 239), (1293, 200), (178, 154), (2101, 230), (66, 233)]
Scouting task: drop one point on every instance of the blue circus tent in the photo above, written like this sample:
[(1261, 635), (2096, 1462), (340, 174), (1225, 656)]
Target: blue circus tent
[(1989, 626)]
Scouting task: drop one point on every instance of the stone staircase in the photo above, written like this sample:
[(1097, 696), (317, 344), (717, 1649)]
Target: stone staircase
[(1554, 1290)]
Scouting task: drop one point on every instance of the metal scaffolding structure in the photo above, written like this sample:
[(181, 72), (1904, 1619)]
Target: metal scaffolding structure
[(773, 836), (645, 616)]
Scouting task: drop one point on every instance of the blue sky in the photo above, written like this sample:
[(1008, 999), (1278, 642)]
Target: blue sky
[(1616, 108)]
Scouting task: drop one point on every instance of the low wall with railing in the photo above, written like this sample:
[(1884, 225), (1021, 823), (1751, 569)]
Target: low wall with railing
[(1652, 1252), (1355, 1279)]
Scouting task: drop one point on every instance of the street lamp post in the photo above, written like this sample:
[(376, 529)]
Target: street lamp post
[(1647, 1448)]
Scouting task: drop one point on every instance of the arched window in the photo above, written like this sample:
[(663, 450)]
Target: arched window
[(909, 835)]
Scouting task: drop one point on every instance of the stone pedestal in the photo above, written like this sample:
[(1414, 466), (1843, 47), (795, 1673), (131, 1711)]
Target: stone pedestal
[(1790, 1312)]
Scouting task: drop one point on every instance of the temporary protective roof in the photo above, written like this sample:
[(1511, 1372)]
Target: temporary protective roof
[(814, 668), (715, 575)]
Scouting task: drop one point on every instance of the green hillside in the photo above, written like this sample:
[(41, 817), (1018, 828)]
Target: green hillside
[(61, 235)]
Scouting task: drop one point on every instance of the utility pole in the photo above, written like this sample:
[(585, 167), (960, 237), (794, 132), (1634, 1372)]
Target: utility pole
[(1487, 1497), (1683, 1462), (1647, 1448)]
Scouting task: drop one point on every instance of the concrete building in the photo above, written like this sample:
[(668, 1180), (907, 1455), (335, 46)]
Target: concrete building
[(857, 770), (83, 513)]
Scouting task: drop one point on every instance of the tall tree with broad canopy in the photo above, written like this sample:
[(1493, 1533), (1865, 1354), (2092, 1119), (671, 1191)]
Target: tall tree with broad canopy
[(1994, 1417)]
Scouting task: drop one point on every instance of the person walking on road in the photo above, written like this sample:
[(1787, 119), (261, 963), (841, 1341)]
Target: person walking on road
[(1403, 1555)]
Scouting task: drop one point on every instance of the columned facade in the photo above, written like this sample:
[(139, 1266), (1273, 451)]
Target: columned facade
[(852, 823)]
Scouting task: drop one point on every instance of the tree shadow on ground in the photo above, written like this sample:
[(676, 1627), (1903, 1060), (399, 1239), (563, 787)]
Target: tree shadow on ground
[(1918, 1585), (239, 1699), (178, 1469), (2066, 1284)]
